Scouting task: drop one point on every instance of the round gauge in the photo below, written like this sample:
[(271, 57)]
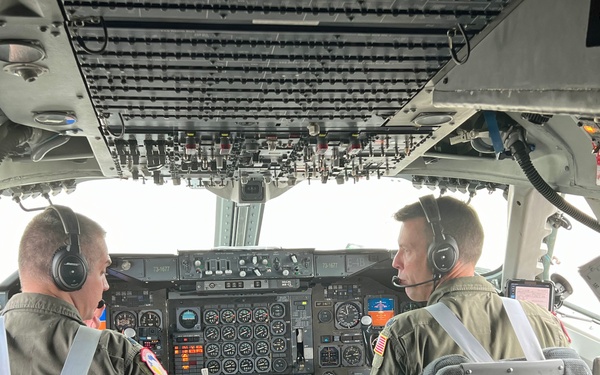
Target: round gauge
[(211, 333), (262, 347), (188, 319), (245, 332), (352, 355), (277, 310), (150, 319), (347, 315), (325, 316), (244, 315), (261, 331), (246, 365), (125, 319), (245, 348), (329, 356), (212, 350), (211, 317), (228, 316), (229, 366), (213, 366), (261, 315), (279, 364), (229, 349), (263, 364), (228, 332), (278, 344), (278, 327)]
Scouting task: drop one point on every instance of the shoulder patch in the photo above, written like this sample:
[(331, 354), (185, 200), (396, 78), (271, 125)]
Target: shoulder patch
[(149, 358), (381, 344)]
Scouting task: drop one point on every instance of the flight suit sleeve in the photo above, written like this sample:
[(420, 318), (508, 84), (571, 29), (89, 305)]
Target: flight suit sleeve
[(145, 362), (386, 356)]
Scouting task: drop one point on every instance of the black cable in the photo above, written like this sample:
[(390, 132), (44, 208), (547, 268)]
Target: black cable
[(451, 33), (102, 49), (521, 155)]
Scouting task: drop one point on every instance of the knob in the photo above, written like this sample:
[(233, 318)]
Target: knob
[(257, 272), (242, 262), (242, 273), (129, 332), (197, 263), (254, 260), (285, 272), (265, 261), (294, 258)]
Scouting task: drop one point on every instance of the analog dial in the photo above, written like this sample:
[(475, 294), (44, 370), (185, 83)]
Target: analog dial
[(246, 365), (279, 364), (277, 310), (278, 327), (262, 347), (125, 319), (229, 349), (325, 316), (278, 344), (229, 366), (245, 348), (261, 331), (228, 316), (211, 333), (228, 332), (263, 364), (212, 350), (150, 319), (244, 315), (347, 315), (352, 355), (211, 317), (213, 366), (260, 315), (245, 332)]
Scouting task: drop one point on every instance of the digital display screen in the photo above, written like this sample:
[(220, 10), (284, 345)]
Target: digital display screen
[(538, 292), (381, 309)]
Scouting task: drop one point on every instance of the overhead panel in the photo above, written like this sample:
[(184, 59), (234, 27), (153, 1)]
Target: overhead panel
[(224, 93)]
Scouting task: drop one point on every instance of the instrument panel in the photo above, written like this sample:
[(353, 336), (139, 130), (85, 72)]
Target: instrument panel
[(246, 311)]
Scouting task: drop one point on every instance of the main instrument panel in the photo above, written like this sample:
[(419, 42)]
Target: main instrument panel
[(245, 311)]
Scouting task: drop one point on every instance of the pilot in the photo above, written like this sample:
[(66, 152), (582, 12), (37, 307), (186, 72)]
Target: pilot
[(42, 321), (428, 240)]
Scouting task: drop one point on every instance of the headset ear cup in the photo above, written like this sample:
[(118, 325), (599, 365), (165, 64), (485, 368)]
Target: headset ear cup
[(442, 256), (69, 269)]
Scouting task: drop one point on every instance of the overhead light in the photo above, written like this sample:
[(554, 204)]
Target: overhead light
[(18, 51), (55, 118), (28, 71), (433, 118)]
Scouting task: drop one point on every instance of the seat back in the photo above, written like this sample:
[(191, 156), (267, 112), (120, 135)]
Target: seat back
[(559, 361)]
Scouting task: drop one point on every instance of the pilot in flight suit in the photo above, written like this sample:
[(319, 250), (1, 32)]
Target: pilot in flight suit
[(56, 322), (413, 339), (439, 244), (63, 260)]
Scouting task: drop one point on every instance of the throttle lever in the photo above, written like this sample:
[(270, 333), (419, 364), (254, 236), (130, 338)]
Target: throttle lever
[(366, 323)]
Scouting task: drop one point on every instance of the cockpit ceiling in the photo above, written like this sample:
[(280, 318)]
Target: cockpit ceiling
[(263, 65)]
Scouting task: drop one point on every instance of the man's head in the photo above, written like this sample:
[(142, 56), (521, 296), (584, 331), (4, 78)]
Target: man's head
[(44, 235), (458, 220)]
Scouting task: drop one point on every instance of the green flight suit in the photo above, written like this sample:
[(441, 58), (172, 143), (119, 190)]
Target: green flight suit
[(414, 338), (40, 330)]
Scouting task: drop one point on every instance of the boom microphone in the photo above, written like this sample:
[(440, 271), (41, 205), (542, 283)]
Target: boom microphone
[(396, 282)]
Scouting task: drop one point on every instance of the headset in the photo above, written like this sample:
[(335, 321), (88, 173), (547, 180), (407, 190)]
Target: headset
[(442, 253), (69, 268)]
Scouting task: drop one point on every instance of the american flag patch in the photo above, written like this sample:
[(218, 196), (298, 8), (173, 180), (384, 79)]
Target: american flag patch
[(380, 346)]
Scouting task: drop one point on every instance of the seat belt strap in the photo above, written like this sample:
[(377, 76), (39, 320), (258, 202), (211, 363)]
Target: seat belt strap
[(4, 364), (82, 351), (527, 338), (459, 333)]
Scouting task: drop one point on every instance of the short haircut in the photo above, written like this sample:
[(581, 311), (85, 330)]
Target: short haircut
[(458, 219), (45, 234)]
